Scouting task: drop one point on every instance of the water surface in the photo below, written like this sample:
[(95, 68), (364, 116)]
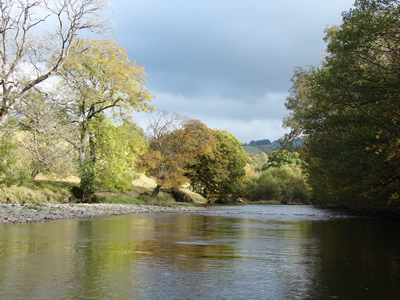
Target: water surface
[(227, 252)]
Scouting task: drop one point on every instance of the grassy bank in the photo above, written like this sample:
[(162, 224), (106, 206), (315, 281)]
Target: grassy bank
[(37, 192), (47, 191)]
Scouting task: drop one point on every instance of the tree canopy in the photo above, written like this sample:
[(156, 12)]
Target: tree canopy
[(99, 81), (282, 157), (347, 110), (174, 142), (219, 175), (28, 56)]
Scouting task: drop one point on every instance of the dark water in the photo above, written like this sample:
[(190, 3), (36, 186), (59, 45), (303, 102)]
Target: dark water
[(242, 252)]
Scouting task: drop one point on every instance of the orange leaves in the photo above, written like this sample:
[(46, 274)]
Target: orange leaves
[(175, 144)]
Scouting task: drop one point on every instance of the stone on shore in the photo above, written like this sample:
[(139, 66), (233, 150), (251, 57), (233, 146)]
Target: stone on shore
[(28, 213)]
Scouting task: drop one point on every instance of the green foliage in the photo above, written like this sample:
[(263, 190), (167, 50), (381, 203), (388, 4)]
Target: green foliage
[(286, 184), (266, 187), (252, 150), (14, 162), (110, 165), (175, 144), (219, 176), (262, 158), (99, 79), (100, 76), (349, 112), (117, 148), (42, 135), (282, 157), (161, 199)]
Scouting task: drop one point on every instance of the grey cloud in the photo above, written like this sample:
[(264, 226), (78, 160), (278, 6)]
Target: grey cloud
[(266, 107), (223, 59), (247, 46)]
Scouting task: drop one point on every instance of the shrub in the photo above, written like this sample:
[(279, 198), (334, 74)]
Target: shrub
[(286, 184)]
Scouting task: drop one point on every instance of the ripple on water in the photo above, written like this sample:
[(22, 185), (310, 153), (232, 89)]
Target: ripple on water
[(277, 212)]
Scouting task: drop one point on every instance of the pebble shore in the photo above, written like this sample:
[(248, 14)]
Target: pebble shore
[(29, 213)]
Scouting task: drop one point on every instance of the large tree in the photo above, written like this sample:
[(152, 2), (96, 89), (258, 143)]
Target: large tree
[(174, 143), (348, 109), (35, 39), (219, 175), (98, 81)]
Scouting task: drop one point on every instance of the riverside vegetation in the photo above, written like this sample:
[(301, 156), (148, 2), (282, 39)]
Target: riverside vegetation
[(72, 116)]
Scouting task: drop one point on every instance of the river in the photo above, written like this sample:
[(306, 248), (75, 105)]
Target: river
[(223, 252)]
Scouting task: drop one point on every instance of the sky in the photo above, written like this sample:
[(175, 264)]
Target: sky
[(227, 63)]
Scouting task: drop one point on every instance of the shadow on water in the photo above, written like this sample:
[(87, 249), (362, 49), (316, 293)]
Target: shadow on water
[(238, 252)]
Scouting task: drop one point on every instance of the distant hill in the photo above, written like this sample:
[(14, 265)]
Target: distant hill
[(259, 143), (256, 147)]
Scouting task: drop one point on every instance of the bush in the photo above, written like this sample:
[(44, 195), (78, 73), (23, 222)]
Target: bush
[(265, 187), (14, 166), (286, 184)]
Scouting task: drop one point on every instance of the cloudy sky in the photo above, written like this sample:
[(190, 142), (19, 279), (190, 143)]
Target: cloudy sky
[(227, 63)]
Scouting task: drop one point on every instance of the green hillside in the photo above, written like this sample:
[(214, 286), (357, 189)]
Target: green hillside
[(257, 147)]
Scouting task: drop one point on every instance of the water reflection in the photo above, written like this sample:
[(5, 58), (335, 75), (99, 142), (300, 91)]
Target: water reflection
[(247, 252)]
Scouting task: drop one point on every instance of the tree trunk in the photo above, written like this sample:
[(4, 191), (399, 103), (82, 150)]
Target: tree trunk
[(156, 191), (35, 173), (88, 172)]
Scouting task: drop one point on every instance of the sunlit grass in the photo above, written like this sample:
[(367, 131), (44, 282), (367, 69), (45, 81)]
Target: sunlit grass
[(48, 191)]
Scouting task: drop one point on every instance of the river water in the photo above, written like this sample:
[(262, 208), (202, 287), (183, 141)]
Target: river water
[(224, 252)]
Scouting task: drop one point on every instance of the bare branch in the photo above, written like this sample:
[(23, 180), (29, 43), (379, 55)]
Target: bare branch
[(35, 39)]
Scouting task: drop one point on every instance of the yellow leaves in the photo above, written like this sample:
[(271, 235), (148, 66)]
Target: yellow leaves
[(104, 70), (393, 198), (365, 195)]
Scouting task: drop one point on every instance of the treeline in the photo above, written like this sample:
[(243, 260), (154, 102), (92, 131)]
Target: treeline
[(268, 147), (66, 109), (348, 111), (259, 143)]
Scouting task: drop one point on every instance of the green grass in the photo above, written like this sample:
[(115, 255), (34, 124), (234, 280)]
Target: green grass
[(40, 192), (37, 193), (252, 150)]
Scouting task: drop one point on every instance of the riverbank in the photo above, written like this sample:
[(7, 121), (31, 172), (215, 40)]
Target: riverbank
[(30, 213)]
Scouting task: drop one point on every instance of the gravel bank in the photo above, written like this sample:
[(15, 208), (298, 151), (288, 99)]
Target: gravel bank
[(27, 213)]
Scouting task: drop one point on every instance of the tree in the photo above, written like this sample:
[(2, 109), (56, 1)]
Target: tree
[(14, 160), (348, 109), (116, 150), (174, 143), (98, 79), (286, 184), (42, 135), (282, 157), (29, 58), (219, 175)]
